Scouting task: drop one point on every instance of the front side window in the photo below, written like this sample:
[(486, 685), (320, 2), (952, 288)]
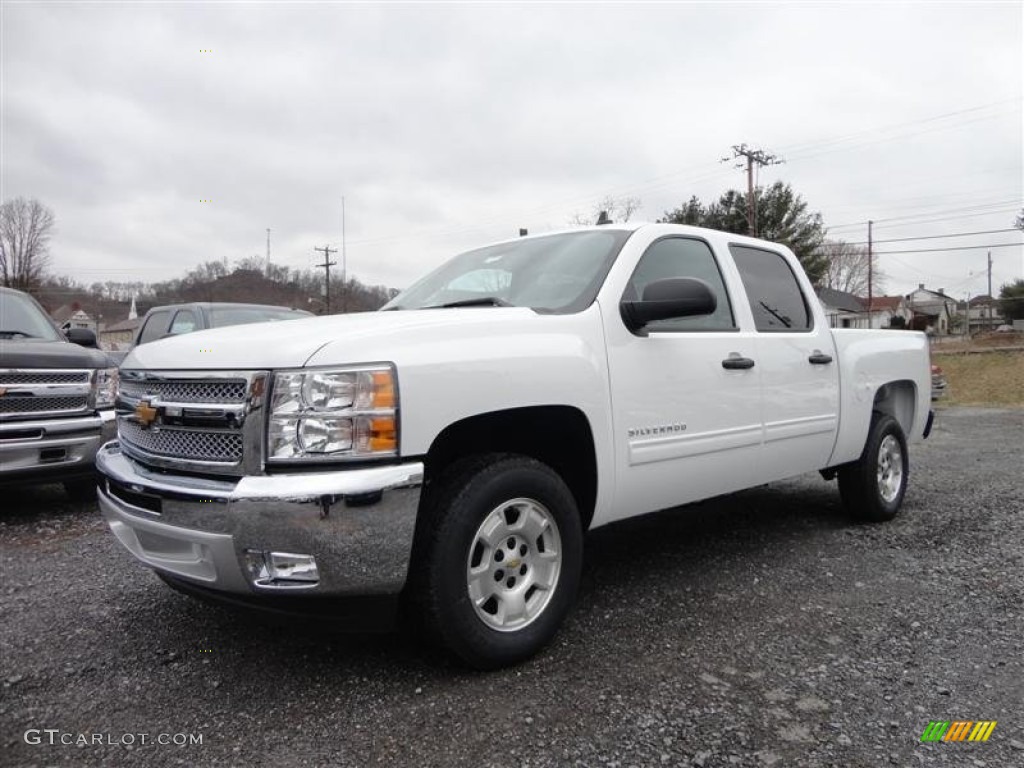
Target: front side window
[(682, 257), (559, 273), (773, 291), (155, 327), (184, 322)]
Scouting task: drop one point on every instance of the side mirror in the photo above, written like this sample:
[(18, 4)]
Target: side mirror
[(668, 298), (83, 337)]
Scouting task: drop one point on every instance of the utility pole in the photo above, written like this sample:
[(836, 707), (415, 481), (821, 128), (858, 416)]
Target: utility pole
[(752, 157), (267, 270), (989, 313), (344, 265), (871, 258), (327, 251)]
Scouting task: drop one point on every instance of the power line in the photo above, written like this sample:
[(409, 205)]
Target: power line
[(957, 248), (993, 205), (935, 237)]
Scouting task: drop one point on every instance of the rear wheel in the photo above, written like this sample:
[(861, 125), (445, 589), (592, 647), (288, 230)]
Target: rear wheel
[(498, 570), (872, 489)]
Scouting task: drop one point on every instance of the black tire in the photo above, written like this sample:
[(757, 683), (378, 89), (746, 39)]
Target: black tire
[(860, 486), (81, 490), (472, 491)]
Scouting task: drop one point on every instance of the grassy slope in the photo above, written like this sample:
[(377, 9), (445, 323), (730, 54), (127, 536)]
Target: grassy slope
[(992, 378)]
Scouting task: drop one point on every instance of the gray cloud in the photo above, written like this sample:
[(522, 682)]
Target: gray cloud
[(445, 126)]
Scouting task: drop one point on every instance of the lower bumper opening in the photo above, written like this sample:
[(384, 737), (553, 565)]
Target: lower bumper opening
[(358, 613)]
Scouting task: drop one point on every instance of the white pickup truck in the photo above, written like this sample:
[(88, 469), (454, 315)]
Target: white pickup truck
[(451, 450)]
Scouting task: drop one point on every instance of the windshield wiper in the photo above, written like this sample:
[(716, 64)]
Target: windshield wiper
[(18, 333), (778, 316), (483, 301)]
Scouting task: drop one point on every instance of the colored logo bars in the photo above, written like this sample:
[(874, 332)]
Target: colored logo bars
[(958, 730)]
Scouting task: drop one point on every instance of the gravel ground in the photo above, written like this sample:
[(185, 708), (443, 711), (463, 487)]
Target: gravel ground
[(756, 630)]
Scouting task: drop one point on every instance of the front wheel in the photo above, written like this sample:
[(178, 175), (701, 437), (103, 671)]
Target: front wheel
[(499, 568), (872, 489)]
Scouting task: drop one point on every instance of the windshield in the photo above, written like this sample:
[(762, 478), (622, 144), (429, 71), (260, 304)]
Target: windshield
[(21, 317), (224, 316), (556, 273)]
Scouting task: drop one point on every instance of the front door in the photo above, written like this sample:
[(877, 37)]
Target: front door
[(686, 406)]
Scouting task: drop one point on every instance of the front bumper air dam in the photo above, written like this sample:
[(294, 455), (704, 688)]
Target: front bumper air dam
[(358, 524)]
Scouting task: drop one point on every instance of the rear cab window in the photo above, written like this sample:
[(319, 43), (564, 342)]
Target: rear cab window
[(778, 304)]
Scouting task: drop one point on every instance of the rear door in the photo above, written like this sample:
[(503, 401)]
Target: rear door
[(796, 358), (686, 425)]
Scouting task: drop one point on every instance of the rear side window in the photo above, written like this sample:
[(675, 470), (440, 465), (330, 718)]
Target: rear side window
[(772, 289), (682, 257), (155, 327)]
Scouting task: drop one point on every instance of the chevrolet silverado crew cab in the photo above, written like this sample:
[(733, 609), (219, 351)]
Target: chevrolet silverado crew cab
[(453, 448), (56, 399)]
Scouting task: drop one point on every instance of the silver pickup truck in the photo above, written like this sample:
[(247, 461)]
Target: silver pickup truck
[(56, 399)]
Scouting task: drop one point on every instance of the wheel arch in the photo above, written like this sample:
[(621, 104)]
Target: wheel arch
[(557, 435), (899, 400)]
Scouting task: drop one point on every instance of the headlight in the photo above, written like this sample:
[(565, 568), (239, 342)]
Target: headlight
[(104, 388), (333, 414)]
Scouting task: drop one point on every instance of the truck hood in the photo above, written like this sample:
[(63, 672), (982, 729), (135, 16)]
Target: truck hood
[(41, 353), (354, 338)]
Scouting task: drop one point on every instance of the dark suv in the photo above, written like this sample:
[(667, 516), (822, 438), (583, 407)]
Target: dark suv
[(56, 399)]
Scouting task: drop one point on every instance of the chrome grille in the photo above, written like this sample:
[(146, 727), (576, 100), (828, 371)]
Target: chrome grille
[(201, 421), (218, 391), (189, 444), (14, 404), (30, 393), (44, 377)]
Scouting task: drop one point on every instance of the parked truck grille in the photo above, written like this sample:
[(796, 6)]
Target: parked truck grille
[(8, 378), (71, 403), (188, 444), (27, 394), (200, 421)]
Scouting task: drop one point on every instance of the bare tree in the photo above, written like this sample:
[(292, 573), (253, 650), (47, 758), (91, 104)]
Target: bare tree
[(847, 269), (619, 209), (25, 229)]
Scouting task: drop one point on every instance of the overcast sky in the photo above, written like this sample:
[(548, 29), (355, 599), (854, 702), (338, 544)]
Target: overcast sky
[(448, 126)]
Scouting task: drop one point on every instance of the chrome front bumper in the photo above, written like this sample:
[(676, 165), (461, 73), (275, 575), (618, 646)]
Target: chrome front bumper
[(357, 523), (55, 449)]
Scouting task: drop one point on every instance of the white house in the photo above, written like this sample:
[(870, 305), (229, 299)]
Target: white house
[(932, 311)]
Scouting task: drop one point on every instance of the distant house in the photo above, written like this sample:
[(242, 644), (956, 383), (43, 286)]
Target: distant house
[(118, 334), (889, 312), (844, 310), (984, 314), (72, 315), (932, 311)]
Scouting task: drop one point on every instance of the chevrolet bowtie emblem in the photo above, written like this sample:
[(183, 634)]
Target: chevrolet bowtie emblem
[(3, 391), (145, 413)]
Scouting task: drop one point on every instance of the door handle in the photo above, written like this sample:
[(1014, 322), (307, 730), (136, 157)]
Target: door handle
[(819, 358), (737, 363)]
